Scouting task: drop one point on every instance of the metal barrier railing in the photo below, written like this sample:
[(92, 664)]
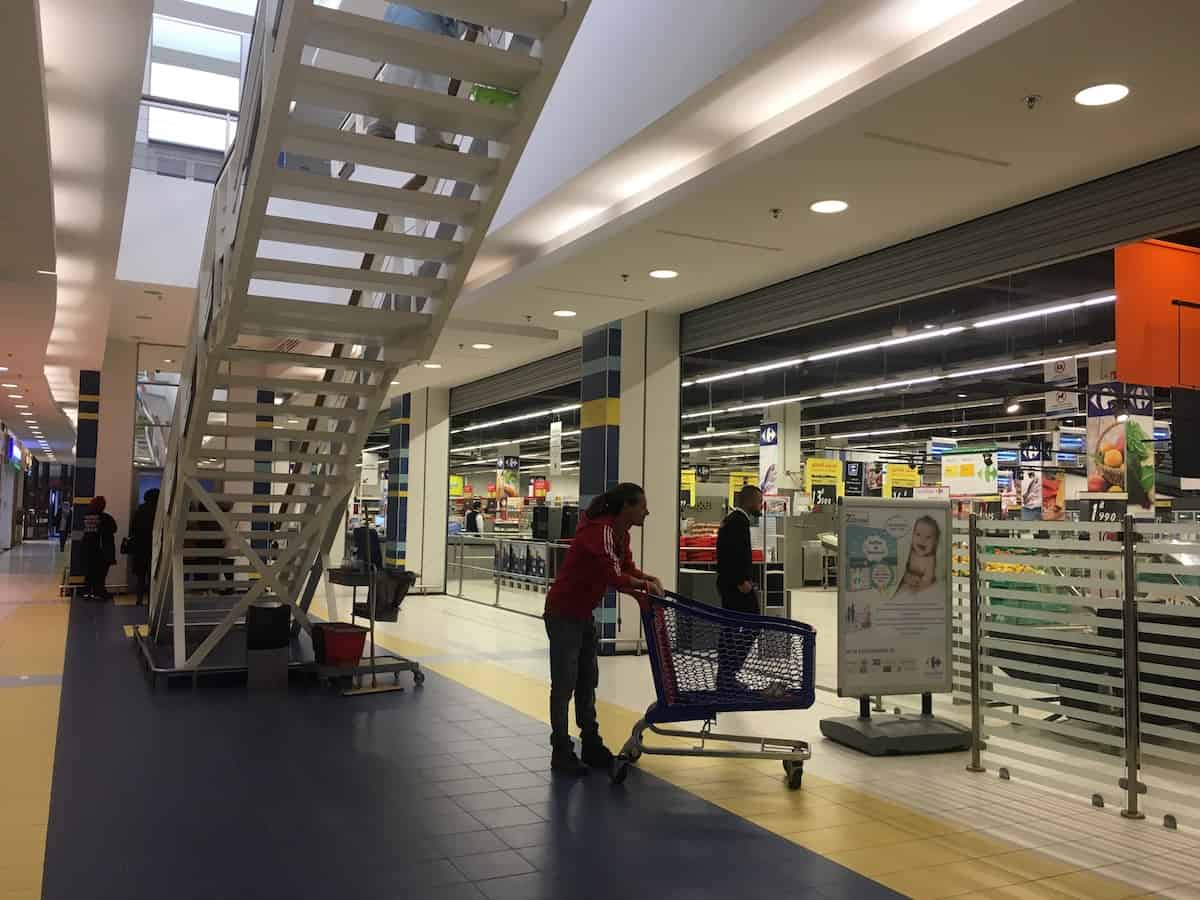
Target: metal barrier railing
[(1078, 647)]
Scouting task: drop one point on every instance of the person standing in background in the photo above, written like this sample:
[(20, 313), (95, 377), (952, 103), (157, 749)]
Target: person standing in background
[(474, 523), (735, 583), (141, 540), (64, 524), (99, 548)]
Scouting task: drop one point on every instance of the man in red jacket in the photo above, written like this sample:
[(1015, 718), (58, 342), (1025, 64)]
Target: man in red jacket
[(598, 559)]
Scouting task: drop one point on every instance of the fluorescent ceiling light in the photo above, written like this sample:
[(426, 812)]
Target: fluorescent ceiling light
[(431, 365), (9, 385), (565, 313), (828, 207), (532, 439), (15, 396), (1102, 94), (47, 272), (717, 434), (664, 273), (481, 346), (521, 418), (1044, 311)]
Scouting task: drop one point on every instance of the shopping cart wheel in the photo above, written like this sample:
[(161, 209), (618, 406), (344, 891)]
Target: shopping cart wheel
[(795, 774), (620, 769), (418, 678)]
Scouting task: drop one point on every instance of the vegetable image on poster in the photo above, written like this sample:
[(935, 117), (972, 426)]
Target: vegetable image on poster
[(894, 597), (1120, 445)]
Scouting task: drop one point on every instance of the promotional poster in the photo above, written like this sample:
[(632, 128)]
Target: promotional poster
[(853, 478), (900, 480), (1120, 454), (894, 597), (823, 480), (970, 473), (508, 491)]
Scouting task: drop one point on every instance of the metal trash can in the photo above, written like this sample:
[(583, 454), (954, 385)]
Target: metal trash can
[(268, 645)]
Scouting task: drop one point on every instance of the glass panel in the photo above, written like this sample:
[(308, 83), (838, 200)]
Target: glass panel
[(192, 86), (172, 34), (173, 126), (245, 7), (156, 403)]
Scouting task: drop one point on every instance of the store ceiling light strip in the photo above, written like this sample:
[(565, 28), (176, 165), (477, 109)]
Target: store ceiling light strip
[(928, 334), (524, 417), (533, 439)]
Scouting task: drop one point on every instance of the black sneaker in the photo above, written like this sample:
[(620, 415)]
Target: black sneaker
[(597, 755), (564, 760)]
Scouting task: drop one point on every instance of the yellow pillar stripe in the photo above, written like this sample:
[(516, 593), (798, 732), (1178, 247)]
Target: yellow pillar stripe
[(399, 421), (397, 493), (596, 413), (89, 416), (90, 397)]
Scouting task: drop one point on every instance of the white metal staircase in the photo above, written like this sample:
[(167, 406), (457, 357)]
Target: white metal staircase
[(278, 393)]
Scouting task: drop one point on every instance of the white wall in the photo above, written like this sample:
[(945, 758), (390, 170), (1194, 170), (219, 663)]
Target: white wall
[(163, 232), (114, 444)]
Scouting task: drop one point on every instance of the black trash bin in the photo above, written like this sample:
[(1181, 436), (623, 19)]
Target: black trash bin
[(268, 645)]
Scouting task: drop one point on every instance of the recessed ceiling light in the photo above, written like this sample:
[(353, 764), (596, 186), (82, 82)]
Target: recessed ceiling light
[(481, 346), (16, 396), (664, 273), (8, 385), (1013, 407), (827, 207), (46, 272), (431, 365), (279, 401), (565, 313), (962, 396), (168, 360), (3, 368), (22, 406), (1102, 94), (27, 414)]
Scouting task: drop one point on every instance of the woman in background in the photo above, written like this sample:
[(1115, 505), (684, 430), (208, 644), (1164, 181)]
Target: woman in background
[(141, 542)]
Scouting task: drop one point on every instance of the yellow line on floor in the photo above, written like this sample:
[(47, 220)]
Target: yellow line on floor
[(33, 640), (915, 854)]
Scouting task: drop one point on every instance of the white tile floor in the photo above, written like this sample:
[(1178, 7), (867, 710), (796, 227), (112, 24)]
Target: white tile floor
[(1063, 826)]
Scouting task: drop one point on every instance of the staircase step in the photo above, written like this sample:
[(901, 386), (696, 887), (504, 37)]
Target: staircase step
[(278, 434), (356, 279), (282, 477), (266, 316), (215, 568), (296, 385), (358, 240), (369, 38), (267, 499), (536, 18), (440, 112), (248, 535), (400, 156), (322, 189), (275, 357), (249, 455), (230, 552), (283, 412), (251, 517)]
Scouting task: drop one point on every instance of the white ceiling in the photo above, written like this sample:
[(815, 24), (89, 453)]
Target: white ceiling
[(26, 238), (910, 156)]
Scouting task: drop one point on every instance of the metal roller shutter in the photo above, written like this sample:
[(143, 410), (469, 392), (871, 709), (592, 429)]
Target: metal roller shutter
[(1151, 199), (552, 372)]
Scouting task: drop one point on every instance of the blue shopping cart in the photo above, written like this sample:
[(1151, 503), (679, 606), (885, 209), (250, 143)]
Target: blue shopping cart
[(706, 661)]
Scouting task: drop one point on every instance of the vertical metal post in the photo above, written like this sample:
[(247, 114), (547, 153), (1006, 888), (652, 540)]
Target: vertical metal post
[(462, 564), (976, 626), (864, 708), (1129, 631)]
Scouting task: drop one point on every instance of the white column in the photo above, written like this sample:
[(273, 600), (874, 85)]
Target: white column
[(114, 439), (650, 445), (791, 450), (428, 487)]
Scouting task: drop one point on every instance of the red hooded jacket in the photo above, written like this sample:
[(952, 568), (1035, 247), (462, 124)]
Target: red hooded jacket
[(598, 559)]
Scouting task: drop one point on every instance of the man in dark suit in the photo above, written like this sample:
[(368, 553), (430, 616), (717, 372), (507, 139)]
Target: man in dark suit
[(735, 583)]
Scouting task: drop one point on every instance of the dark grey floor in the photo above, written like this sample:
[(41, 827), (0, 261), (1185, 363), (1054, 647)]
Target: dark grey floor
[(435, 793)]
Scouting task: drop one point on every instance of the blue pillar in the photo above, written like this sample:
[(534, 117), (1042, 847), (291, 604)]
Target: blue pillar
[(87, 435), (263, 444), (600, 437), (400, 425)]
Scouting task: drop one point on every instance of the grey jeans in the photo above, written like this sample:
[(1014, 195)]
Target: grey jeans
[(574, 670), (398, 14)]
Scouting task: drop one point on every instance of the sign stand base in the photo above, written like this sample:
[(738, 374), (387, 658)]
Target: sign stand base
[(897, 735)]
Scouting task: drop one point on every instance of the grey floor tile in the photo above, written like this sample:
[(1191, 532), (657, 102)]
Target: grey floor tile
[(520, 779), (491, 800), (507, 818), (499, 767), (520, 836), (544, 856), (533, 886), (500, 864), (464, 891), (470, 785), (538, 792), (454, 823), (456, 771), (432, 873), (455, 845)]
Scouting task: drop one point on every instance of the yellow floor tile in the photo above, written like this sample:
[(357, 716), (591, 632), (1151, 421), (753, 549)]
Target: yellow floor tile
[(794, 821), (32, 640), (876, 861), (1087, 886), (762, 804), (927, 826), (948, 880), (1032, 864), (972, 844), (877, 809), (851, 837)]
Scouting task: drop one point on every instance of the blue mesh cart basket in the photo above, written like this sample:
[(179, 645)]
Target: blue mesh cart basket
[(706, 661)]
